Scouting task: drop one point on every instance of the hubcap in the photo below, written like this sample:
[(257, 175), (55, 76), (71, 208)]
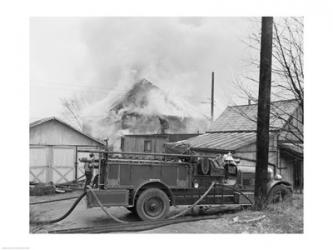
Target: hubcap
[(153, 207)]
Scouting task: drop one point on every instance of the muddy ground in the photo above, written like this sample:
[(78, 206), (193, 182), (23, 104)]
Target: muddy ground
[(282, 218)]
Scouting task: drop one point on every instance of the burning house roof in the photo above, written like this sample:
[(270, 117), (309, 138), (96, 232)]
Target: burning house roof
[(147, 99), (144, 108)]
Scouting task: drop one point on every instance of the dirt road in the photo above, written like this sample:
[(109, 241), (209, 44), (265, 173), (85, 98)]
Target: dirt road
[(279, 219)]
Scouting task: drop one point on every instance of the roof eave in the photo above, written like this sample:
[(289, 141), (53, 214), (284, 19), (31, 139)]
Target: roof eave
[(42, 121)]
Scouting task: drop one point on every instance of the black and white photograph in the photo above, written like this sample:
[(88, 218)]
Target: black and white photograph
[(172, 124), (166, 125)]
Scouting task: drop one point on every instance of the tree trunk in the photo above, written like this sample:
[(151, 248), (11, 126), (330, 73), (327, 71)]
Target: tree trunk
[(263, 112)]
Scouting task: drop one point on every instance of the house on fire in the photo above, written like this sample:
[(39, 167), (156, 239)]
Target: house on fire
[(235, 131), (54, 152), (144, 108)]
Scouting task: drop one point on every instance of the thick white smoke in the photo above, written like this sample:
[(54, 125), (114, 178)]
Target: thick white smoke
[(176, 54)]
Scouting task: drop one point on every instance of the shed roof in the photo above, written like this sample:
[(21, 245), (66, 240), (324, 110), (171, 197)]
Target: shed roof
[(48, 119), (244, 117)]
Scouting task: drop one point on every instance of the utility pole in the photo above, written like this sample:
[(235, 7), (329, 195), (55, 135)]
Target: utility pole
[(264, 100), (212, 99)]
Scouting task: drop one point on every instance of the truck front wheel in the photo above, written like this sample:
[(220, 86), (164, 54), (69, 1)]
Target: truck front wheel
[(279, 193), (152, 204)]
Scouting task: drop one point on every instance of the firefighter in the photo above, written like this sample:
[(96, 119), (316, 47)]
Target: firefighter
[(228, 162), (88, 170)]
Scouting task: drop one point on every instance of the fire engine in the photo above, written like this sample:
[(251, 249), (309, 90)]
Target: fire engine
[(148, 184)]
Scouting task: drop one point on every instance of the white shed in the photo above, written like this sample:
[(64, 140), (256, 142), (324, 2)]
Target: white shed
[(54, 148)]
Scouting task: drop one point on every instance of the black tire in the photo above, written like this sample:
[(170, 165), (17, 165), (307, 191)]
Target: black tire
[(279, 193), (152, 204)]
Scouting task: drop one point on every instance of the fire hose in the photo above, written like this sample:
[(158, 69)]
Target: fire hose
[(205, 194), (103, 208), (124, 222), (62, 217), (195, 203)]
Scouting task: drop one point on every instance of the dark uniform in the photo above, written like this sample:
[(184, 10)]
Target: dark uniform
[(88, 170)]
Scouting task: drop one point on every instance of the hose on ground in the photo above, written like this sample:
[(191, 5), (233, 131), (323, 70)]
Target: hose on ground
[(55, 200), (238, 191), (62, 217), (103, 208), (74, 205), (205, 194), (195, 203)]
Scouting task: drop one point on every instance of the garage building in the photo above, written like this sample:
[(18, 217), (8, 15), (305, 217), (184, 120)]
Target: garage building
[(54, 146)]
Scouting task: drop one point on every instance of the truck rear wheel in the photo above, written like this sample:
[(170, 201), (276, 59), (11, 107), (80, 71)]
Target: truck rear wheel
[(152, 204)]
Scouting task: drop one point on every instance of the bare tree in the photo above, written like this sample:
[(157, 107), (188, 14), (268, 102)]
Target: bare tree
[(288, 57), (287, 74), (72, 111), (287, 63)]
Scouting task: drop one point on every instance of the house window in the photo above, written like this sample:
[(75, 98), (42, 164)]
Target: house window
[(147, 146)]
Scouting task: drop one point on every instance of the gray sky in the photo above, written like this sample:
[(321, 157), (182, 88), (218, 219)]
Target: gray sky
[(92, 56)]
